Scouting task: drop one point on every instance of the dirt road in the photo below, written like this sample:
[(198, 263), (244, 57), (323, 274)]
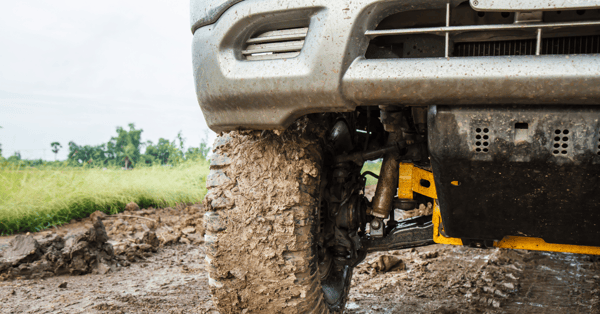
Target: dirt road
[(434, 279)]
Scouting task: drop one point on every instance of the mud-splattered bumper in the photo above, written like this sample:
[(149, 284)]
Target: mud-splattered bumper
[(331, 73)]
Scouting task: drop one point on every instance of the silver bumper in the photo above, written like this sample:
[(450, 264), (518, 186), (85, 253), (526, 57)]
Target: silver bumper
[(331, 74), (475, 80)]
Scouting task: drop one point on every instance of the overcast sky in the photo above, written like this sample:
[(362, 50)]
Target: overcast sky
[(75, 70)]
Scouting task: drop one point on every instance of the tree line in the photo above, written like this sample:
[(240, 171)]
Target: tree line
[(126, 149)]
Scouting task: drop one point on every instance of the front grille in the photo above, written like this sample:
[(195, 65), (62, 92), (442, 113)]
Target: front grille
[(279, 44), (527, 47), (459, 31)]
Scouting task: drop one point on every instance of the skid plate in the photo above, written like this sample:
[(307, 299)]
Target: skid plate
[(511, 171), (411, 181)]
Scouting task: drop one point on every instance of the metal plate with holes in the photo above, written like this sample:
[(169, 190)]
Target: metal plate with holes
[(514, 171), (532, 5)]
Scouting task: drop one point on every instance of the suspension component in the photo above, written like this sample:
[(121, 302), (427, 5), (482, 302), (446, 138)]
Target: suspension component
[(377, 228), (413, 232), (360, 157), (345, 207), (387, 185), (341, 138), (347, 212)]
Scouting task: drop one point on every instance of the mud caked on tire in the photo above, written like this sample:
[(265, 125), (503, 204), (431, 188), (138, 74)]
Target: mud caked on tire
[(262, 220)]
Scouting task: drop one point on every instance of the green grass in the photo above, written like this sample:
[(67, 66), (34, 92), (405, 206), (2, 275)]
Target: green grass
[(373, 167), (34, 199)]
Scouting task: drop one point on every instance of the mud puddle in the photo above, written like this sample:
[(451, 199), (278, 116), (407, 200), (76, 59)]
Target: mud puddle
[(171, 281)]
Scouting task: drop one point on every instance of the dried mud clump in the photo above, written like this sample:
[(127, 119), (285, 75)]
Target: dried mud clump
[(132, 207), (138, 248), (182, 224), (486, 280), (128, 237), (494, 281), (422, 210), (54, 255), (385, 263)]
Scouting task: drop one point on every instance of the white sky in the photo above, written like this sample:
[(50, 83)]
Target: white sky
[(74, 70)]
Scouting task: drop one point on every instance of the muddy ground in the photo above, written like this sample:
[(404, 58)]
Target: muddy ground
[(434, 279)]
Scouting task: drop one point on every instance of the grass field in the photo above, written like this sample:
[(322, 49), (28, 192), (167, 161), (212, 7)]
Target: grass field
[(374, 167), (34, 199)]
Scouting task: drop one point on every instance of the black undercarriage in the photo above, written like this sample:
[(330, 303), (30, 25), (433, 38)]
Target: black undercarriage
[(532, 172), (499, 171)]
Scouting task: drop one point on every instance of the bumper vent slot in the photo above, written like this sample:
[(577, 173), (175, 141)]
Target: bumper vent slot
[(279, 44), (549, 46)]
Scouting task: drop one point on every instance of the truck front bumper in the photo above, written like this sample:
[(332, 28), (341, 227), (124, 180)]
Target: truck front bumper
[(331, 74)]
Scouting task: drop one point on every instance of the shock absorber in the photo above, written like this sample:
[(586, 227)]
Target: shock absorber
[(387, 185)]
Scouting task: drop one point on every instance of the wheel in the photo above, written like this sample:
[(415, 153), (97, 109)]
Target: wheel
[(263, 222)]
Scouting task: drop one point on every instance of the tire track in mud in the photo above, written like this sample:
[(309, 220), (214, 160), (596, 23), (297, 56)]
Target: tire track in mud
[(434, 279), (446, 279)]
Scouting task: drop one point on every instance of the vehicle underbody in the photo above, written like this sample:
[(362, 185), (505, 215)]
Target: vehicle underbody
[(485, 115), (496, 176)]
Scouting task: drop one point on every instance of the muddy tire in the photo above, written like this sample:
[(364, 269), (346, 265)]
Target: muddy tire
[(262, 221)]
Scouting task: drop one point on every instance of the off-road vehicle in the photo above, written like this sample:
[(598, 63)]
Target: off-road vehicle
[(485, 110)]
